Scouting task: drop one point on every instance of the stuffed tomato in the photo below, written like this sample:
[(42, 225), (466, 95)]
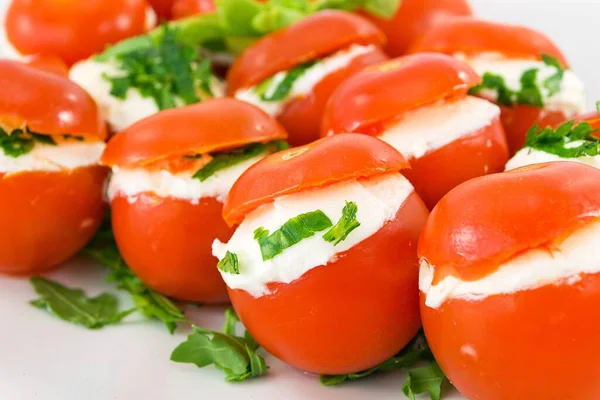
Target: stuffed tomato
[(509, 277), (136, 79), (326, 244), (170, 175), (414, 18), (187, 8), (51, 140), (419, 105), (73, 29), (291, 73), (523, 71)]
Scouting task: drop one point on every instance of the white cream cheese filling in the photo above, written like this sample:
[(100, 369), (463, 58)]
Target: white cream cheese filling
[(428, 128), (132, 182), (378, 200), (528, 156), (68, 155), (305, 83), (576, 255), (571, 99)]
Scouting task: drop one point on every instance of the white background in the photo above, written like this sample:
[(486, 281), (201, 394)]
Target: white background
[(42, 358)]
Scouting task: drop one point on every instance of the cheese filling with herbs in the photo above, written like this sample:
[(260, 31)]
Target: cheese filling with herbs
[(272, 94), (430, 127), (23, 150), (282, 240), (159, 75), (569, 142), (560, 265), (546, 83)]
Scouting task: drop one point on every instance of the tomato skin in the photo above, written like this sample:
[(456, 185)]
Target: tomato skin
[(436, 173), (51, 64), (167, 243), (306, 326), (187, 8), (414, 18), (162, 8), (48, 216), (56, 27), (535, 344), (518, 120), (302, 117)]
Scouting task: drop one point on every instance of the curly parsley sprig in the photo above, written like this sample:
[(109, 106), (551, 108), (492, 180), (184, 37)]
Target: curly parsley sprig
[(569, 140)]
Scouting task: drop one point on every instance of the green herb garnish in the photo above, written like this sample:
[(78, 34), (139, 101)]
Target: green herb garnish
[(229, 264), (285, 85), (72, 305), (530, 92), (291, 232), (569, 140), (234, 355), (417, 350), (166, 70), (426, 379), (19, 142), (347, 223), (103, 249), (224, 160)]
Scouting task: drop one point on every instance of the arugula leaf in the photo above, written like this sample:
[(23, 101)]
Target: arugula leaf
[(234, 355), (224, 160), (284, 87), (153, 305), (163, 69), (347, 223), (425, 379), (291, 232), (19, 142), (569, 140), (229, 264), (495, 82), (417, 350), (72, 305), (530, 92), (553, 82)]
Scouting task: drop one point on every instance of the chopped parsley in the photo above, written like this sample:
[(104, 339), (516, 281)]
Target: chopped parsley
[(569, 140), (164, 69), (235, 355), (229, 264), (19, 142), (226, 159), (267, 92), (530, 92), (291, 232), (347, 223)]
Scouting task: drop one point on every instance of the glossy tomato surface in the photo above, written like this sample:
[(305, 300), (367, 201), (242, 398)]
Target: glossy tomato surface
[(350, 314), (414, 18), (187, 8), (54, 27), (518, 120), (534, 344), (480, 153), (162, 8), (167, 243), (302, 116), (48, 217)]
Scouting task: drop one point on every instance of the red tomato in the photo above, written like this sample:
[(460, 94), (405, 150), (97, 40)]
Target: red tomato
[(530, 344), (299, 43), (187, 8), (163, 8), (343, 334), (414, 18), (370, 101), (51, 64), (167, 241), (472, 37), (57, 27)]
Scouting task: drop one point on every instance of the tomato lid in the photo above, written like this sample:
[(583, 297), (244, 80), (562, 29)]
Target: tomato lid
[(47, 103), (473, 36), (52, 64), (384, 91), (212, 125), (326, 161), (488, 220), (73, 29), (309, 39)]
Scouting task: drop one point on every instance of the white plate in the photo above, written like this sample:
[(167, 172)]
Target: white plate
[(42, 358)]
